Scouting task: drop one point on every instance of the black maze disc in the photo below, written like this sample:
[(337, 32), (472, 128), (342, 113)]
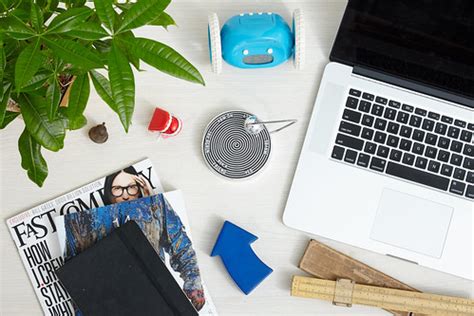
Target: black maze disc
[(233, 152)]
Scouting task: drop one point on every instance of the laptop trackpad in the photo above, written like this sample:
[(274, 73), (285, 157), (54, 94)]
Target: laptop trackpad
[(411, 223)]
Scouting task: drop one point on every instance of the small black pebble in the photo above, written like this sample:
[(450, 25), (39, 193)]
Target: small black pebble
[(98, 134)]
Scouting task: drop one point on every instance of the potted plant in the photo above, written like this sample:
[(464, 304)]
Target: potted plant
[(50, 52)]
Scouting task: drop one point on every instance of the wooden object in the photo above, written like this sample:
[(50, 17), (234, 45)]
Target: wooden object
[(340, 293), (324, 262)]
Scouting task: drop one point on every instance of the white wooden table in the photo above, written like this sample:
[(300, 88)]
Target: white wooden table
[(256, 205)]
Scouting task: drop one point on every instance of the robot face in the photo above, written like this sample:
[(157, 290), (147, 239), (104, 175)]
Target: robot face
[(258, 57)]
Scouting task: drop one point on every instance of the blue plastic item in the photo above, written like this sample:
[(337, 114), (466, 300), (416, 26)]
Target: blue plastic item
[(255, 40), (243, 265)]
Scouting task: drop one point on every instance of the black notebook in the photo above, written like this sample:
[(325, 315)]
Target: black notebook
[(123, 275)]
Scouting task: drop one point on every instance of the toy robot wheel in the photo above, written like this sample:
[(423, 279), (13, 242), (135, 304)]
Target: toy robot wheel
[(299, 33), (215, 49)]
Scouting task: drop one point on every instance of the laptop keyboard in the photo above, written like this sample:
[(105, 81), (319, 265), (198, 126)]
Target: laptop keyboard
[(407, 142)]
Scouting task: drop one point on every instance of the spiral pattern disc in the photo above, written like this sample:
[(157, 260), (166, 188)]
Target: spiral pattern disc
[(230, 150)]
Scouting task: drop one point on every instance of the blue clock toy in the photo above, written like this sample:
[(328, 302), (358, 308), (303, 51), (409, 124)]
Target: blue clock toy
[(256, 40)]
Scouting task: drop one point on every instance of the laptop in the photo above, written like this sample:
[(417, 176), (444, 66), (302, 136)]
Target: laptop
[(387, 163)]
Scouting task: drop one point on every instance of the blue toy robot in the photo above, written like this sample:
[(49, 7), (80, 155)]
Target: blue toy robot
[(256, 40)]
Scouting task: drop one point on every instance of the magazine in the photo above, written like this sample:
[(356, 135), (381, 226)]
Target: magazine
[(163, 220), (35, 235)]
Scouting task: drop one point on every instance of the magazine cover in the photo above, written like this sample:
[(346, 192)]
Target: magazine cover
[(35, 233), (163, 220)]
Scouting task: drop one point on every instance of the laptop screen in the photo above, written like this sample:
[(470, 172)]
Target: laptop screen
[(430, 42)]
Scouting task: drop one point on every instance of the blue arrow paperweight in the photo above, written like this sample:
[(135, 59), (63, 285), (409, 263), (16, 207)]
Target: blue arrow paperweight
[(243, 265)]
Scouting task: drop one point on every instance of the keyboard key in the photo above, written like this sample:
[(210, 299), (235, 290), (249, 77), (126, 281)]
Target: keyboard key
[(455, 160), (381, 100), (383, 151), (402, 117), (393, 128), (364, 106), (443, 142), (408, 159), (405, 131), (378, 164), (355, 92), (390, 114), (421, 112), (443, 156), (457, 187), (352, 116), (466, 136), (351, 156), (380, 137), (394, 104), (405, 144), (468, 163), (434, 116), (446, 170), (468, 150), (337, 153), (352, 102), (363, 160), (441, 128), (393, 141), (470, 177), (368, 96), (431, 152), (377, 110), (421, 162), (447, 119), (418, 176), (407, 108), (418, 148), (367, 133), (395, 155), (370, 148), (367, 120), (380, 124), (350, 128), (456, 146), (431, 139), (415, 121), (349, 141), (428, 125), (434, 166), (470, 191), (460, 123), (459, 174), (453, 132), (470, 126), (418, 135)]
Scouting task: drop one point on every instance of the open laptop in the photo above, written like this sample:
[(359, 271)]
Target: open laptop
[(387, 163)]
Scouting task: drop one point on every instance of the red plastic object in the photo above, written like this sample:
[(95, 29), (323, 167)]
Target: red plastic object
[(163, 122)]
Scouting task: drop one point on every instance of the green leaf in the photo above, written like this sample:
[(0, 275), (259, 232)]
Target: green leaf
[(68, 18), (3, 62), (37, 81), (141, 13), (106, 13), (74, 53), (4, 103), (27, 64), (36, 16), (49, 134), (127, 36), (87, 31), (102, 87), (9, 117), (164, 20), (15, 28), (31, 159), (164, 58), (77, 101), (122, 85), (53, 97)]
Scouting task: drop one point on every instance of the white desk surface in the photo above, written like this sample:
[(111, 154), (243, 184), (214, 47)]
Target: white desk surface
[(256, 205)]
